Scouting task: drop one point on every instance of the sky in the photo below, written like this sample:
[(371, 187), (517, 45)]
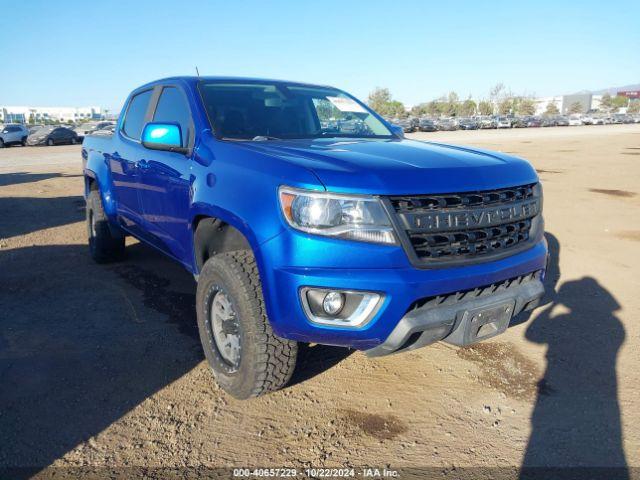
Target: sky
[(79, 53)]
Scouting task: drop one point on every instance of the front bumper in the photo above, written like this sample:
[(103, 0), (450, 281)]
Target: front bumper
[(291, 261), (457, 318)]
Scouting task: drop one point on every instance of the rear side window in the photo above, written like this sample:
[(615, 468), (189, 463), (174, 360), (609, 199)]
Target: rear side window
[(134, 118), (172, 107)]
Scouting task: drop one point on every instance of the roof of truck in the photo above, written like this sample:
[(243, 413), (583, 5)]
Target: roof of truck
[(193, 79)]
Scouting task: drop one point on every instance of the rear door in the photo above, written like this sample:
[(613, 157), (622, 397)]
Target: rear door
[(124, 162), (165, 184), (13, 134)]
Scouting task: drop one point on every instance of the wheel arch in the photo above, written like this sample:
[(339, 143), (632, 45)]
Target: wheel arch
[(217, 231)]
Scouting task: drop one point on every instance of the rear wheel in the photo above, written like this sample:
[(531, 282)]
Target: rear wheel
[(24, 141), (104, 245), (74, 140), (246, 357), (1, 143)]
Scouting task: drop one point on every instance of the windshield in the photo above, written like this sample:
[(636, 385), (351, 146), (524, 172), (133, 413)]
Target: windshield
[(245, 110)]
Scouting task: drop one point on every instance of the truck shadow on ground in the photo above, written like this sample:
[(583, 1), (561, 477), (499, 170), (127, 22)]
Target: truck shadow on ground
[(576, 418), (79, 348), (41, 212), (81, 345), (16, 178)]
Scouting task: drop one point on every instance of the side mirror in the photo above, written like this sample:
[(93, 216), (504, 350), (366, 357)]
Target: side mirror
[(163, 136), (397, 130)]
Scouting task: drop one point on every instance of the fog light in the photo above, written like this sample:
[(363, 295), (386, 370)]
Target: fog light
[(341, 308), (333, 303)]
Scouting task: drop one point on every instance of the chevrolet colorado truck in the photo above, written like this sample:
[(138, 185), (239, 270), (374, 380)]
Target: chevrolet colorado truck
[(305, 217)]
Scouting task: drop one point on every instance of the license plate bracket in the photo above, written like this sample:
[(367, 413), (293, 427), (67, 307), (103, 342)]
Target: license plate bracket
[(485, 322)]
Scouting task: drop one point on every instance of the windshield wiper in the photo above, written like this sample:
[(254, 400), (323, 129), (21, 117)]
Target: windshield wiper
[(261, 138)]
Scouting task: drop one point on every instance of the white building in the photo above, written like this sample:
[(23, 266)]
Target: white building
[(41, 114)]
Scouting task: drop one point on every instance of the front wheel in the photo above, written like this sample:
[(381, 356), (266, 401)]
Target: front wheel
[(50, 142), (74, 140), (23, 142), (246, 357)]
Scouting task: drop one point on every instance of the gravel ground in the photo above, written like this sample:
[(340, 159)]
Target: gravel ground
[(100, 366)]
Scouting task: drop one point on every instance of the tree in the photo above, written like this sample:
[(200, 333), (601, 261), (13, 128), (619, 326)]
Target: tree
[(419, 110), (526, 107), (327, 110), (505, 106), (605, 102), (619, 102), (451, 108), (467, 108), (396, 108), (485, 108), (552, 109), (498, 93), (634, 106), (380, 100), (575, 107)]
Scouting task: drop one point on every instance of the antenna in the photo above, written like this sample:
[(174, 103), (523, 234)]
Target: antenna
[(197, 72)]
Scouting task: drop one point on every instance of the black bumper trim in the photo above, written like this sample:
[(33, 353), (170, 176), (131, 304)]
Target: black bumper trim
[(446, 321)]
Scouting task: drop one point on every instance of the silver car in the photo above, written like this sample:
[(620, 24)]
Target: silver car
[(13, 134)]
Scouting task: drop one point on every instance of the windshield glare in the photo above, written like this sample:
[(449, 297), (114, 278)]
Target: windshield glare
[(250, 110)]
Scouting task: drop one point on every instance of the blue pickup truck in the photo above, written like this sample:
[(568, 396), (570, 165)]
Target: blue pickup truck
[(305, 217)]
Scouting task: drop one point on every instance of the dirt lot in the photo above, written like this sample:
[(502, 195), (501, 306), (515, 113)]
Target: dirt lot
[(101, 365)]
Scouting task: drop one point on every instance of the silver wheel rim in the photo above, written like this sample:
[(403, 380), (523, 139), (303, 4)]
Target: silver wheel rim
[(225, 329)]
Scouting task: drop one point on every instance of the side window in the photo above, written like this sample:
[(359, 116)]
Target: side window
[(172, 107), (134, 118)]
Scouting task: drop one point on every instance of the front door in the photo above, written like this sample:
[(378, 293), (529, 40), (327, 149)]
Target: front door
[(165, 180)]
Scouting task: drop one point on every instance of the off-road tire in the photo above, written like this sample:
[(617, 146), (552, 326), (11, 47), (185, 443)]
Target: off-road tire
[(266, 361), (104, 245)]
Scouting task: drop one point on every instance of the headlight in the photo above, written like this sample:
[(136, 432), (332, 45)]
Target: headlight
[(359, 218)]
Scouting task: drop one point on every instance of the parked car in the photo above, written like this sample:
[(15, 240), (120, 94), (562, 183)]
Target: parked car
[(561, 121), (487, 122), (447, 124), (406, 124), (427, 125), (107, 130), (534, 122), (296, 234), (53, 135), (620, 118), (13, 134), (90, 127), (503, 122), (575, 120), (34, 128), (467, 124), (520, 122)]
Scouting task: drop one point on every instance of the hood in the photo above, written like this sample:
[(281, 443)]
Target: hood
[(394, 167)]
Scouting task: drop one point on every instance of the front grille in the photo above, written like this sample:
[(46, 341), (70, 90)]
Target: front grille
[(462, 200), (466, 226)]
